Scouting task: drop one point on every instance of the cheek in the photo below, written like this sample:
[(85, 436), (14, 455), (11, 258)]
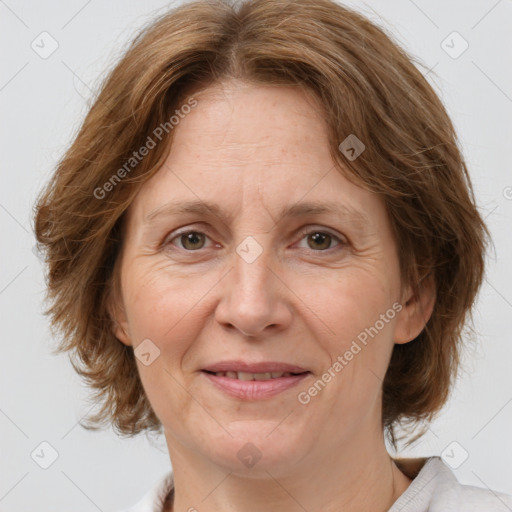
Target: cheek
[(355, 318), (159, 305), (164, 309), (350, 303)]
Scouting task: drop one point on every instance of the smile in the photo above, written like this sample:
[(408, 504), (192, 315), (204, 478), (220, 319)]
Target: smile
[(254, 386), (253, 376)]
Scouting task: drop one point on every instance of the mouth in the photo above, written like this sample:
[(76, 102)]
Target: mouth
[(247, 376), (253, 382)]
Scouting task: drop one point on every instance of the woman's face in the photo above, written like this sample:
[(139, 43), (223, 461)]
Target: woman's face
[(249, 285)]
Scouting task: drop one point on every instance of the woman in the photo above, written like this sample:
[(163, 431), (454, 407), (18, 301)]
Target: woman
[(263, 243)]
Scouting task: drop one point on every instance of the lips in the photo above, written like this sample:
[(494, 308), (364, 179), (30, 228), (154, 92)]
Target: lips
[(254, 381), (253, 376), (254, 368)]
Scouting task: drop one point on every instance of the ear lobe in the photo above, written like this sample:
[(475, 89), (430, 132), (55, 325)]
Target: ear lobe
[(416, 311), (119, 322), (120, 331)]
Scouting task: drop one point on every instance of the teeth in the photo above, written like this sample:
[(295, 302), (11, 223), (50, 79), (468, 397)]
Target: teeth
[(262, 376), (253, 376)]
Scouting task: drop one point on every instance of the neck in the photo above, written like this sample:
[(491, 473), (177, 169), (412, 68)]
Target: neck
[(360, 477)]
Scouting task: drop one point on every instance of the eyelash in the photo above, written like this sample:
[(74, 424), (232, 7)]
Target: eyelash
[(341, 243)]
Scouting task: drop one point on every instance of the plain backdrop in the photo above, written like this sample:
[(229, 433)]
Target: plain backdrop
[(43, 101)]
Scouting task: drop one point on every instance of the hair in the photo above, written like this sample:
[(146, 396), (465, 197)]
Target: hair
[(368, 85)]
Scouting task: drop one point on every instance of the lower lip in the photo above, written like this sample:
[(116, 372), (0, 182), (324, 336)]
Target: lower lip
[(255, 389)]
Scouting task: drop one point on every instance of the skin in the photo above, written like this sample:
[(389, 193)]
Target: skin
[(255, 150)]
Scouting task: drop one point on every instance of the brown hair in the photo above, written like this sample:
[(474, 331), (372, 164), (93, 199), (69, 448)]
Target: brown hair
[(369, 86)]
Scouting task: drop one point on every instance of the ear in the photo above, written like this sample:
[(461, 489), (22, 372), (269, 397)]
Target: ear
[(118, 317), (416, 310)]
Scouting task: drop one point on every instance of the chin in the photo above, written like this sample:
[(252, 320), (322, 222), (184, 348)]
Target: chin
[(258, 448)]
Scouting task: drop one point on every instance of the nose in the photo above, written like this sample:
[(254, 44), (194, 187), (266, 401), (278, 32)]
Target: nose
[(255, 300)]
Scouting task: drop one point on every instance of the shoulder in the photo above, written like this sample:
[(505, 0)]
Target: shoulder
[(450, 494), (153, 499), (436, 489)]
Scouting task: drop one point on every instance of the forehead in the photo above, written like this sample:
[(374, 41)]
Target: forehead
[(244, 145), (239, 120)]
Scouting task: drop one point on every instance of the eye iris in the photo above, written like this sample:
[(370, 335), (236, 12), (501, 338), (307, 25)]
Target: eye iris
[(323, 238), (192, 238)]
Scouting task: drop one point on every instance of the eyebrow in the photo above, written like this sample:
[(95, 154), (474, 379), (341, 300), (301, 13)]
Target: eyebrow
[(297, 210)]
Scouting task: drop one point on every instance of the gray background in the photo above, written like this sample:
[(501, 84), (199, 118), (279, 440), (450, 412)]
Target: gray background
[(42, 102)]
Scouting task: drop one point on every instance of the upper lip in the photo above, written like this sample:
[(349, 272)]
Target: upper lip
[(260, 367)]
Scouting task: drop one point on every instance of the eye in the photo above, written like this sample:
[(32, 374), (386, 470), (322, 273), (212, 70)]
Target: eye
[(318, 240), (189, 240)]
